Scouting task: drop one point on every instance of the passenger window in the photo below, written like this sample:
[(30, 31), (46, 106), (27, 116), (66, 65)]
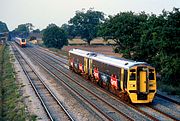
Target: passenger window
[(132, 76), (151, 76)]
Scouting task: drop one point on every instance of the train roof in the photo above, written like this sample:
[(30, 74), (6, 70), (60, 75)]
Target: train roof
[(19, 38), (118, 62)]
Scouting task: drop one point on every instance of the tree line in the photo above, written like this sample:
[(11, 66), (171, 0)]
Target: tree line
[(150, 38), (138, 36)]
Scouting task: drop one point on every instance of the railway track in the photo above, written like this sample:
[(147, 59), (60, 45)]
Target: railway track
[(65, 63), (168, 99), (164, 115), (114, 114), (95, 95), (48, 51), (53, 107)]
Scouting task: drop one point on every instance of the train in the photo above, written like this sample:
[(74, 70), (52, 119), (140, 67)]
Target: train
[(131, 81), (21, 41)]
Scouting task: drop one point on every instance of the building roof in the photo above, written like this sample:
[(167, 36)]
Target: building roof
[(118, 62)]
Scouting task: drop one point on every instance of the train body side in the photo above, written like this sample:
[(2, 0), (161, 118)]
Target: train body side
[(136, 81)]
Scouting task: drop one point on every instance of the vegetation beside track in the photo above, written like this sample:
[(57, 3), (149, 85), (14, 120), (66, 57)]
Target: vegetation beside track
[(169, 89), (12, 107), (59, 51)]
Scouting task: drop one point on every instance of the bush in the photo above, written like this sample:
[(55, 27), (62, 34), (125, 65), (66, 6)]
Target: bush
[(54, 36)]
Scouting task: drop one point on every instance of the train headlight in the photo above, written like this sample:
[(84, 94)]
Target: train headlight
[(132, 85)]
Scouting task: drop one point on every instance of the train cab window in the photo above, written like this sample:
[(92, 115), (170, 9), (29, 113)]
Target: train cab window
[(151, 76), (132, 76), (23, 40)]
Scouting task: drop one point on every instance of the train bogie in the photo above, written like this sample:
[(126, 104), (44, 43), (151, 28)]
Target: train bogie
[(130, 80)]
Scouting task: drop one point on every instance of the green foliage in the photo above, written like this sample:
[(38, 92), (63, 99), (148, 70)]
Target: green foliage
[(160, 45), (24, 28), (150, 38), (11, 102), (85, 24), (36, 31), (125, 29), (53, 36), (70, 30), (3, 27)]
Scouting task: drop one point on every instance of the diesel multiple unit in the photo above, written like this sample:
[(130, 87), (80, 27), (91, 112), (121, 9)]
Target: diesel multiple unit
[(21, 41), (130, 80)]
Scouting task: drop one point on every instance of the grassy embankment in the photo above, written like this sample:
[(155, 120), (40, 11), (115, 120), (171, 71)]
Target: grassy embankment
[(12, 107), (169, 89)]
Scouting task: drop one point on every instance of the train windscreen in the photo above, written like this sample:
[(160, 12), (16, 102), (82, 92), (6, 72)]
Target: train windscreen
[(23, 40)]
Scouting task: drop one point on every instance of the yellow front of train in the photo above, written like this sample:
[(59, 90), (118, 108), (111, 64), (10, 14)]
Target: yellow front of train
[(141, 84), (23, 42)]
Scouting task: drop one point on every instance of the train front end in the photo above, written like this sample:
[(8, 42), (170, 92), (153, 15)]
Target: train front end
[(141, 85), (23, 42)]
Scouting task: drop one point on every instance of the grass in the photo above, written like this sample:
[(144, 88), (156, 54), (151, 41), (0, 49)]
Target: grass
[(59, 51), (1, 78), (33, 118), (169, 89), (12, 106)]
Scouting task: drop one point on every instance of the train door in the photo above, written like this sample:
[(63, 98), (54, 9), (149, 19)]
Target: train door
[(124, 75), (85, 65), (90, 67), (142, 79)]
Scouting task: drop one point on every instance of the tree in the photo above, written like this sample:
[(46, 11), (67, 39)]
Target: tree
[(150, 38), (53, 36), (160, 45), (36, 31), (125, 29), (23, 30), (85, 24), (3, 27), (70, 30)]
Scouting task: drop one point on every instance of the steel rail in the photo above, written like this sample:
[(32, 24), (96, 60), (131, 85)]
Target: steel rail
[(64, 57), (164, 97), (153, 118), (44, 52), (70, 88), (28, 77), (167, 98), (161, 112), (58, 102)]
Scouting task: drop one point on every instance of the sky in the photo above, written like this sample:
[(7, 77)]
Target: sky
[(43, 12)]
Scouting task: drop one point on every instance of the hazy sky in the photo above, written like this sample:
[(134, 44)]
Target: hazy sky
[(43, 12)]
